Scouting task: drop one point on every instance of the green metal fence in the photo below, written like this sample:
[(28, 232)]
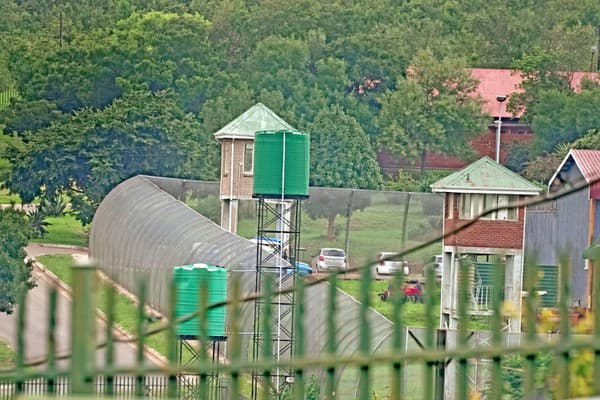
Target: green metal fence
[(576, 360), (561, 366)]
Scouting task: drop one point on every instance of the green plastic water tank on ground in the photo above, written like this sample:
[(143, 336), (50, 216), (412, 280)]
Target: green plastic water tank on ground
[(281, 164), (189, 281)]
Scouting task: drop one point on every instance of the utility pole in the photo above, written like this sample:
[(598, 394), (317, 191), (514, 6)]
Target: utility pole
[(60, 29), (598, 48)]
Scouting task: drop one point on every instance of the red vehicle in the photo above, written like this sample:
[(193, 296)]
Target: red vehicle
[(411, 293)]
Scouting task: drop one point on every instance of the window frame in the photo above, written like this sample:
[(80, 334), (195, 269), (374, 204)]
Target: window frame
[(471, 205), (245, 159)]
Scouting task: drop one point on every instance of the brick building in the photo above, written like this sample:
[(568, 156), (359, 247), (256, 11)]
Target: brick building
[(237, 158), (496, 238), (492, 84)]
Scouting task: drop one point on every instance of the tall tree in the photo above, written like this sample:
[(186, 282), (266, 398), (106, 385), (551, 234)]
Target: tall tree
[(142, 133), (433, 109), (341, 156)]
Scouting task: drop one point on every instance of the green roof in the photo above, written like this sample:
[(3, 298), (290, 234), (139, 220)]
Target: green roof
[(486, 176), (257, 118)]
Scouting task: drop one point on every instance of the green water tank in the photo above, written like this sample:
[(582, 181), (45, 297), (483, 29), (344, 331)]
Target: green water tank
[(189, 280), (271, 148)]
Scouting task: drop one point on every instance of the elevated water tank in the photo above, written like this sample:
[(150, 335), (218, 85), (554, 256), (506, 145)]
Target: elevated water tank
[(189, 280), (281, 164)]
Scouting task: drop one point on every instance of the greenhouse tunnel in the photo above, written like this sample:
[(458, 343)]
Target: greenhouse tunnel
[(142, 231)]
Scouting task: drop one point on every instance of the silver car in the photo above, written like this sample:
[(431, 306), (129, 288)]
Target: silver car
[(387, 265), (330, 258)]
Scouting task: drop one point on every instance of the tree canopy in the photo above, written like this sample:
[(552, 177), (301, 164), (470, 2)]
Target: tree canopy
[(433, 109), (77, 64)]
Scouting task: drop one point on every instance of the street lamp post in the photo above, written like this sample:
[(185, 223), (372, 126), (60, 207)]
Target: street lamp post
[(499, 121)]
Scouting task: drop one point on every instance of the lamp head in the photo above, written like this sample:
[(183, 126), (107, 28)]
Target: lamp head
[(500, 98)]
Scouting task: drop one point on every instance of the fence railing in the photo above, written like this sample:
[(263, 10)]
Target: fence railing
[(6, 95), (438, 368)]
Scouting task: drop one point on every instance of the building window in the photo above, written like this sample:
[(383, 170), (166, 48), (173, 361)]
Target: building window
[(450, 211), (472, 205), (248, 158)]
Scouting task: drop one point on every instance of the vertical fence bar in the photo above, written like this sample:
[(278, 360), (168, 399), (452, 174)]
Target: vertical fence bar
[(20, 356), (83, 324), (331, 336), (365, 333), (51, 367), (429, 386), (496, 327), (235, 343), (267, 350), (172, 340), (565, 331), (463, 299), (141, 336), (203, 339), (397, 338), (110, 340), (530, 326), (595, 265), (299, 342)]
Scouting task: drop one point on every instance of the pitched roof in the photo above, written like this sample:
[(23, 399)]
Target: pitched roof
[(257, 118), (486, 176), (495, 82), (588, 164)]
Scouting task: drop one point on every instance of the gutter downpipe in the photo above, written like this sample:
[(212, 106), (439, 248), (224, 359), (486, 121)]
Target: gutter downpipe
[(231, 155)]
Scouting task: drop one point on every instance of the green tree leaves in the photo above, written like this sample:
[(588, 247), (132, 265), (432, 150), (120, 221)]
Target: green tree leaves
[(15, 274), (142, 133), (432, 110)]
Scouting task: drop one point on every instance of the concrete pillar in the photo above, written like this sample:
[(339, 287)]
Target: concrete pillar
[(229, 214), (513, 286)]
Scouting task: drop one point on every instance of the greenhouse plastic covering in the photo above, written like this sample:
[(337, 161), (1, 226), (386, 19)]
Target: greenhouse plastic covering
[(144, 228)]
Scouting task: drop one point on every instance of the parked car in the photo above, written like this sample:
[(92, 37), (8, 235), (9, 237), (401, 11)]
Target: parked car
[(330, 258), (434, 262), (303, 268), (386, 265)]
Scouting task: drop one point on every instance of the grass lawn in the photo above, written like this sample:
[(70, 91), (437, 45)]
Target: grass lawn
[(65, 230), (413, 314), (7, 356), (377, 228), (125, 309)]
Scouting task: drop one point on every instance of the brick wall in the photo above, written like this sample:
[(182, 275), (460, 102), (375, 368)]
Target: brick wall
[(484, 233), (242, 182), (484, 145)]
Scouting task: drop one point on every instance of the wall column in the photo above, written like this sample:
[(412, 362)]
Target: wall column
[(229, 214)]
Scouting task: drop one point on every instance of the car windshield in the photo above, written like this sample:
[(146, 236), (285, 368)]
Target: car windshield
[(334, 253)]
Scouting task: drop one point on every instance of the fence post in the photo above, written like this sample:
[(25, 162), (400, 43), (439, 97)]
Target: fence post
[(83, 328)]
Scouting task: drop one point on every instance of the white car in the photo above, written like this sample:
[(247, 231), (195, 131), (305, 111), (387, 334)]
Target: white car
[(434, 262), (387, 265), (329, 259)]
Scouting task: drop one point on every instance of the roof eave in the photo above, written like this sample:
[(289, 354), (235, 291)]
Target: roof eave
[(220, 136), (520, 192)]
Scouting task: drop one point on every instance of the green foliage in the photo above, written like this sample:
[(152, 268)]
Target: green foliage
[(312, 391), (517, 157), (341, 154), (7, 357), (142, 133), (209, 206), (64, 230), (15, 274), (406, 181), (218, 58), (513, 367), (433, 110)]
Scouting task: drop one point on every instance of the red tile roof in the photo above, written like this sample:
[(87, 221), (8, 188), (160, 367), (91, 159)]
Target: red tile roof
[(588, 163), (504, 82)]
